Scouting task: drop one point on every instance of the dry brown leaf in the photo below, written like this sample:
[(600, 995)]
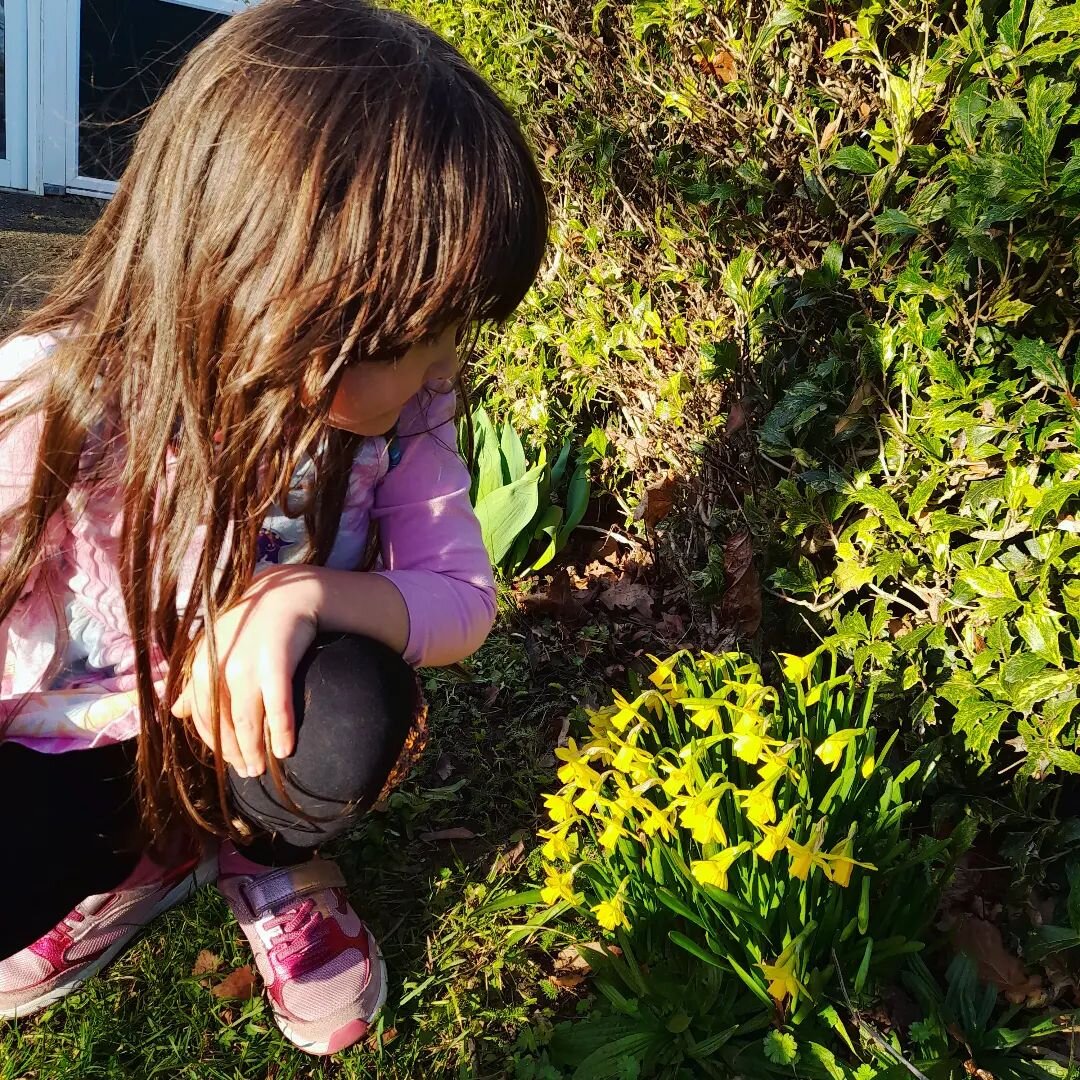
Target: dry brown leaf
[(566, 982), (456, 833), (737, 418), (863, 393), (657, 502), (629, 596), (373, 1041), (831, 128), (507, 860), (720, 65), (982, 941), (570, 961), (206, 963), (740, 606), (557, 599), (238, 985)]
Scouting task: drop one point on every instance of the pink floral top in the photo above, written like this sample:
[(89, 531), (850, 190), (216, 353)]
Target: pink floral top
[(416, 488)]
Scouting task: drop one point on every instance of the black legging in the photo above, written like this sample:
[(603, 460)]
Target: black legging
[(67, 819)]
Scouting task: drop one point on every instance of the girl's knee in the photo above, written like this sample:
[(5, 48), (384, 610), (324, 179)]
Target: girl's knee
[(355, 701)]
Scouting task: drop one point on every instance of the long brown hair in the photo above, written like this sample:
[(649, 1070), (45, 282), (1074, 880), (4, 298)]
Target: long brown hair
[(323, 183)]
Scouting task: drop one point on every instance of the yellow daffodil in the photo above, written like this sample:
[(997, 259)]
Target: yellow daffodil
[(666, 679), (797, 668), (610, 914), (703, 713), (775, 837), (627, 712), (714, 870), (560, 809), (678, 778), (774, 763), (612, 833), (700, 814), (831, 751), (804, 857), (758, 803), (561, 844), (559, 885), (750, 740), (838, 863), (782, 980), (657, 821), (631, 799), (634, 762), (664, 676)]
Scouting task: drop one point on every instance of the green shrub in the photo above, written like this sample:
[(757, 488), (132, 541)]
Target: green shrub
[(924, 380), (752, 850)]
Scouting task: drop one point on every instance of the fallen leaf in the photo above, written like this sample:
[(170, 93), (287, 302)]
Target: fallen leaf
[(720, 65), (629, 596), (564, 731), (375, 1040), (570, 960), (863, 393), (206, 963), (457, 833), (557, 599), (736, 419), (740, 606), (507, 860), (657, 502), (566, 982), (831, 128), (238, 984), (444, 767), (982, 941)]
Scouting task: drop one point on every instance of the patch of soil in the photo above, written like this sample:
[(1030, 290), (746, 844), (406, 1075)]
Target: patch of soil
[(38, 239)]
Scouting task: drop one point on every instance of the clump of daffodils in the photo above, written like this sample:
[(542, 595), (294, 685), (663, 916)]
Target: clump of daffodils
[(708, 792)]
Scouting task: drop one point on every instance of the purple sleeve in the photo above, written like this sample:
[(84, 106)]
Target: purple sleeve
[(430, 539)]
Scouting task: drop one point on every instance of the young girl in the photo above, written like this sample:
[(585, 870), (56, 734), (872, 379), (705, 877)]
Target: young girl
[(232, 514)]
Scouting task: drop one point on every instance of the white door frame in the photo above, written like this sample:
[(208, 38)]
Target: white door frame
[(13, 168), (68, 44)]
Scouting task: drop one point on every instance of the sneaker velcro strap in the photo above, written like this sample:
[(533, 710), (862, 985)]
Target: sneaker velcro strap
[(265, 892)]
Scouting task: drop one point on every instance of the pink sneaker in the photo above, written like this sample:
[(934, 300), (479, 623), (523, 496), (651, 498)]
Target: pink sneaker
[(83, 942), (324, 974)]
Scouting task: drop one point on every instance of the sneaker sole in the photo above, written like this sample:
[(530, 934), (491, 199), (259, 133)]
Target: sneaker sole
[(203, 874), (323, 1048)]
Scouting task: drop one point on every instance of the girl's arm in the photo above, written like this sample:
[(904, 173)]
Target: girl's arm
[(434, 602), (432, 549)]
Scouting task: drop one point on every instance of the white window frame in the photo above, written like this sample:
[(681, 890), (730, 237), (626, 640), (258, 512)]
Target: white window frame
[(75, 182), (222, 7), (17, 92)]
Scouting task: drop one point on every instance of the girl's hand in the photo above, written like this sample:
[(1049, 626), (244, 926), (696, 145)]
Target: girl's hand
[(260, 642)]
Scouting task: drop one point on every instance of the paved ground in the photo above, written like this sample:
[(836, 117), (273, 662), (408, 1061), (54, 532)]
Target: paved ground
[(38, 236)]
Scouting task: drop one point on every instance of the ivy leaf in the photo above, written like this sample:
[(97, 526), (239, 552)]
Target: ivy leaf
[(1040, 628), (979, 720), (990, 582), (854, 159), (1042, 361), (886, 506)]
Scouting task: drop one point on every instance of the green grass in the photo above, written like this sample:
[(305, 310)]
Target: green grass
[(458, 993)]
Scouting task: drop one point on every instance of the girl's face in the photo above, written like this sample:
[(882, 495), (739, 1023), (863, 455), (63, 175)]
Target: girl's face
[(370, 396)]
